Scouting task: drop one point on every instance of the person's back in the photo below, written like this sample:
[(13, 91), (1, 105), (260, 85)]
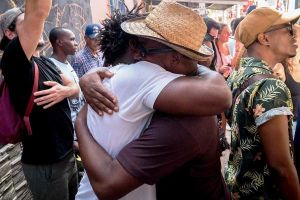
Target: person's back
[(136, 86), (201, 177)]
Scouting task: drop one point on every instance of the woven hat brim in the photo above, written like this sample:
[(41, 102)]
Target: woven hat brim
[(138, 27), (184, 51)]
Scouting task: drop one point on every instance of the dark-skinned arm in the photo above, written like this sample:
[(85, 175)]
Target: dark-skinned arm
[(108, 178), (209, 89), (275, 140), (96, 95), (188, 95)]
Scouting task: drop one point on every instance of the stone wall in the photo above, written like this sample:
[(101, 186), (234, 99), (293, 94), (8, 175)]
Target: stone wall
[(13, 185), (72, 14)]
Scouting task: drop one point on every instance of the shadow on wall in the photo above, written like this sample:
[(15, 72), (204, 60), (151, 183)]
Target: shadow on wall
[(72, 14)]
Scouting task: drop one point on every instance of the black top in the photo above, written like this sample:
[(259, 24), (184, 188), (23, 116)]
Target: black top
[(181, 155), (52, 130), (295, 91)]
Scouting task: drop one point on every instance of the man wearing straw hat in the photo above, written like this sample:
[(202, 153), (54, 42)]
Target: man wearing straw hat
[(261, 160), (113, 178)]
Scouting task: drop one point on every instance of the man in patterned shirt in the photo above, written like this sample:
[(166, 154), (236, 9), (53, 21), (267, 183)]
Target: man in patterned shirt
[(90, 56), (261, 160)]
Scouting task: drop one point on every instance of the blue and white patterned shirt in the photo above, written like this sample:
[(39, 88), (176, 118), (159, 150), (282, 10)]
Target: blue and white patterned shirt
[(84, 60)]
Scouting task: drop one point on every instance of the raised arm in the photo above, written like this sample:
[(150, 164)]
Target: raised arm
[(31, 29)]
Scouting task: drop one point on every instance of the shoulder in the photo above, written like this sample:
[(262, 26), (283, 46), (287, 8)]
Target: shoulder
[(271, 84), (14, 58), (13, 48)]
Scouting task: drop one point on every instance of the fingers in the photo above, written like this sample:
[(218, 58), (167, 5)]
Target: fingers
[(44, 99), (104, 74), (108, 99), (50, 83), (47, 91), (50, 104), (96, 109), (42, 92), (99, 107)]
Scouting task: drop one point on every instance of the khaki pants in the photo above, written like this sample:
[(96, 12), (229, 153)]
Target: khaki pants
[(55, 181)]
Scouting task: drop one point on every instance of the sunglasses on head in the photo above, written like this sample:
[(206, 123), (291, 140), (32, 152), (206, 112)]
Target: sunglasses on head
[(288, 27), (150, 51)]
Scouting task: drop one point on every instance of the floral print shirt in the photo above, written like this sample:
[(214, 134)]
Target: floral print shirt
[(247, 174)]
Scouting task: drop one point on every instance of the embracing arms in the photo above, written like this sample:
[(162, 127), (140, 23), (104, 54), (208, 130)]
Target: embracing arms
[(206, 94), (108, 178)]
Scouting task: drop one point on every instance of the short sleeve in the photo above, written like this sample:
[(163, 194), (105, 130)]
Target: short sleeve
[(270, 98), (137, 87)]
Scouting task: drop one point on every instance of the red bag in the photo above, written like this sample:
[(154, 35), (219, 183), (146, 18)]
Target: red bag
[(11, 123)]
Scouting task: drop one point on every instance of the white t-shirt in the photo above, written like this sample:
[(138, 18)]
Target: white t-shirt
[(136, 86), (75, 103)]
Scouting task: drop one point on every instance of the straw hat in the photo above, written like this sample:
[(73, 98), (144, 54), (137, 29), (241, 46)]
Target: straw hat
[(174, 25), (260, 20)]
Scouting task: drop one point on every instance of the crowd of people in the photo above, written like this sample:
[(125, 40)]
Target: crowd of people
[(144, 102)]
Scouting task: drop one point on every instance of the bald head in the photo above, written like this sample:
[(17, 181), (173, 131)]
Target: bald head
[(63, 41)]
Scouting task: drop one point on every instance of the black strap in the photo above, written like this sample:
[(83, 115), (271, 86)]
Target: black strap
[(249, 82)]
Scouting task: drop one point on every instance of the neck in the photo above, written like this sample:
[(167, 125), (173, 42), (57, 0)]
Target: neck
[(60, 57), (94, 52), (266, 55)]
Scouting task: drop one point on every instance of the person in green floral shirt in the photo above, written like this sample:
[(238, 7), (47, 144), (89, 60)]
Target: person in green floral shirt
[(261, 163)]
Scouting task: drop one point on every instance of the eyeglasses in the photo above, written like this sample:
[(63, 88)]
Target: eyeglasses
[(288, 27), (149, 51), (209, 37)]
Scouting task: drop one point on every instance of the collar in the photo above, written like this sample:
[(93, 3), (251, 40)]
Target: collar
[(87, 49)]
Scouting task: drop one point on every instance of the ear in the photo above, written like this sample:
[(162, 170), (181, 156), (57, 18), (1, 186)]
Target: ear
[(59, 42), (263, 39), (10, 34), (176, 59), (135, 52)]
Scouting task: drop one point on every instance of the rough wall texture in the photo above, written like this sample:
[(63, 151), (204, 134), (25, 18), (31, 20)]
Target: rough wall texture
[(72, 14), (13, 185)]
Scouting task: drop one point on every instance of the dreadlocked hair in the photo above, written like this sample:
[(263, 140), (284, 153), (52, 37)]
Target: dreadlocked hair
[(114, 41)]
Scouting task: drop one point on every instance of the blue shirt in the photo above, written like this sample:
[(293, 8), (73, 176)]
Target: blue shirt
[(84, 60)]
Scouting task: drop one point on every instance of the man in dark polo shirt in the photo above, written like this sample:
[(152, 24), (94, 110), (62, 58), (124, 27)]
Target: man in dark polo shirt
[(47, 158), (180, 154)]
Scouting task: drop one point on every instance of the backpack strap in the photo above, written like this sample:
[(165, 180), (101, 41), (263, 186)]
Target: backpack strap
[(30, 102), (249, 82)]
